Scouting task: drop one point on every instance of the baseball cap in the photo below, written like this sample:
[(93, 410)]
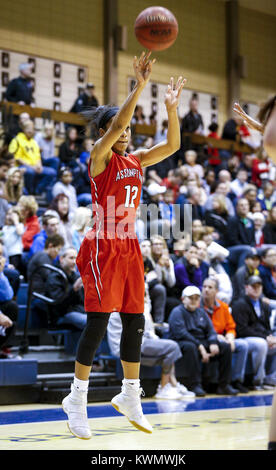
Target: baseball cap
[(253, 280), (190, 290), (90, 85), (154, 188)]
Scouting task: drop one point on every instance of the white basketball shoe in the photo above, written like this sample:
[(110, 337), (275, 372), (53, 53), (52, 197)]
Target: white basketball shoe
[(128, 402), (75, 406)]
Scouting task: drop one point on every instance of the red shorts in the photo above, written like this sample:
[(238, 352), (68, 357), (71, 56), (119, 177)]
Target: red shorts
[(112, 272)]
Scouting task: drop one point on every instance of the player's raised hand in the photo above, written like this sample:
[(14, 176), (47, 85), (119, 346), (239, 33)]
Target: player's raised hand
[(143, 68), (173, 93)]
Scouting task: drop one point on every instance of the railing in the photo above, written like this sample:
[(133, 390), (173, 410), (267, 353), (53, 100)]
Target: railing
[(8, 108), (25, 342)]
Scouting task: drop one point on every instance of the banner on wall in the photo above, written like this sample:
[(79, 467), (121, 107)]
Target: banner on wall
[(153, 96)]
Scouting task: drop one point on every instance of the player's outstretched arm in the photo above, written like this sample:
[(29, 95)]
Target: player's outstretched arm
[(142, 68), (172, 143)]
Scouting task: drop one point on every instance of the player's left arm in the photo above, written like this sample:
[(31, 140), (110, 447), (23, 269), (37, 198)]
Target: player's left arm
[(164, 149)]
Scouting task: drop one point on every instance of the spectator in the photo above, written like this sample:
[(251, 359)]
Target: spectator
[(251, 315), (154, 351), (20, 89), (87, 146), (28, 208), (179, 248), (191, 165), (138, 139), (8, 309), (225, 328), (27, 155), (46, 143), (39, 308), (267, 197), (164, 268), (167, 212), (71, 309), (173, 181), (217, 255), (218, 217), (161, 134), (261, 167), (220, 188), (4, 168), (14, 185), (64, 186), (203, 258), (60, 204), (197, 230), (209, 180), (240, 234), (81, 223), (250, 193), (270, 227), (192, 121), (9, 271), (12, 237), (239, 184), (69, 152), (214, 159), (187, 271), (50, 226), (191, 327), (85, 100), (259, 222), (267, 273), (250, 268), (231, 129), (4, 207)]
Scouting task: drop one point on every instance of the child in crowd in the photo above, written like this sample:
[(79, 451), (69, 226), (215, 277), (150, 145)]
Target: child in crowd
[(12, 237), (63, 185)]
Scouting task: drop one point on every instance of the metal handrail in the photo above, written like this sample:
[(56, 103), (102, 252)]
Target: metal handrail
[(25, 342)]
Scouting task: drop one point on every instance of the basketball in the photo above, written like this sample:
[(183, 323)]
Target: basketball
[(156, 28)]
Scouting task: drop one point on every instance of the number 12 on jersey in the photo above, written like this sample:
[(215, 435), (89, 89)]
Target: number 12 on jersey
[(131, 194)]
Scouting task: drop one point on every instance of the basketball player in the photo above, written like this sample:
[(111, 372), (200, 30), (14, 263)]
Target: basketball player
[(267, 126), (109, 259)]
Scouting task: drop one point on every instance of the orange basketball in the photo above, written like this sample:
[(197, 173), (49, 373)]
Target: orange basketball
[(156, 28)]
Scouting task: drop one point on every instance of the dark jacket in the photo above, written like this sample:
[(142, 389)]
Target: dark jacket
[(269, 285), (67, 155), (20, 89), (247, 321), (240, 234), (219, 222), (238, 282), (230, 130), (40, 277), (73, 301), (191, 122), (195, 327), (269, 232), (83, 102)]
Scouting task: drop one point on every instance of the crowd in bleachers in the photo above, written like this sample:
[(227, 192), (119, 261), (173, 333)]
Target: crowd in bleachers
[(231, 252)]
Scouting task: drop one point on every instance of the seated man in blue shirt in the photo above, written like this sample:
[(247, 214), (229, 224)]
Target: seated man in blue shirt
[(50, 225)]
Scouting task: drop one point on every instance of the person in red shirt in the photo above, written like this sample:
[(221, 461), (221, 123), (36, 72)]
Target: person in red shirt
[(28, 208), (225, 328), (261, 167), (213, 153)]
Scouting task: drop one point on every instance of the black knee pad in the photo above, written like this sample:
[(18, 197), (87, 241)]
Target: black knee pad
[(91, 337), (132, 335)]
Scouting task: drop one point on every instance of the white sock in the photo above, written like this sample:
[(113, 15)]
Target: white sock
[(81, 385), (133, 383)]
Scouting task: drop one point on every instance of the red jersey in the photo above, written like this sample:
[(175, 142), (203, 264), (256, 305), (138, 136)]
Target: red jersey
[(109, 260), (116, 194)]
